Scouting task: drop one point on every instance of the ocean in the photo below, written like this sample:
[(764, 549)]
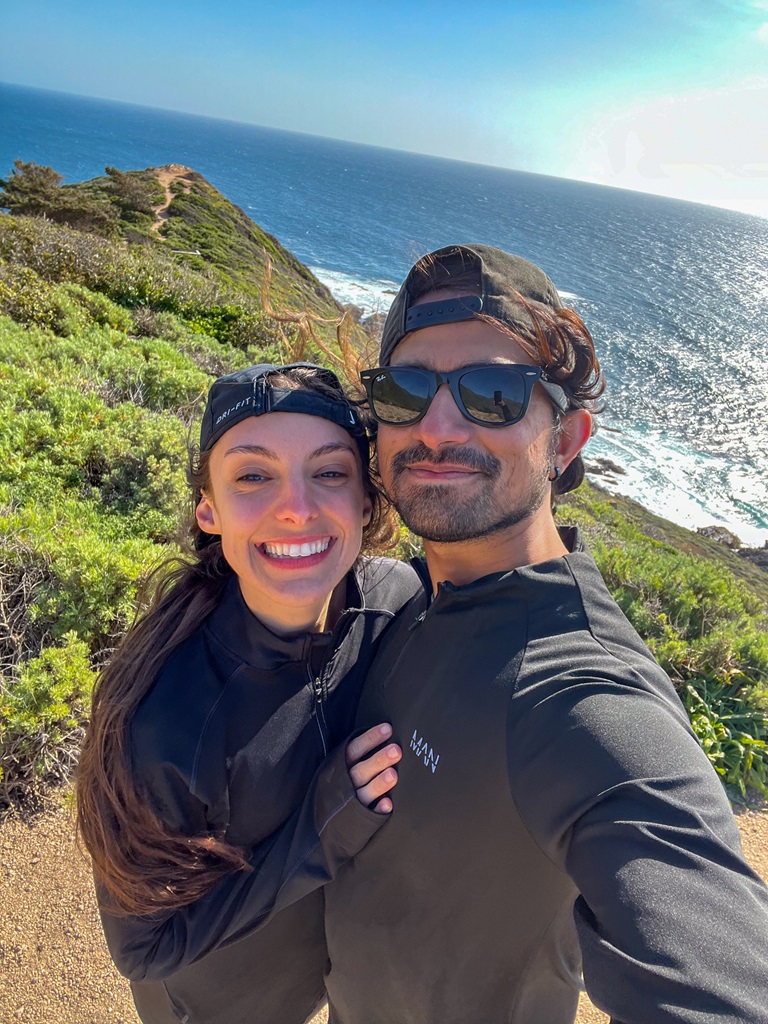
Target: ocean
[(674, 293)]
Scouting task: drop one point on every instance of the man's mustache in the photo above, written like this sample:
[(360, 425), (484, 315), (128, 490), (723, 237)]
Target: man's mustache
[(461, 455)]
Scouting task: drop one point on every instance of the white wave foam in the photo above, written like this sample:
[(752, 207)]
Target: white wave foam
[(373, 295), (689, 488)]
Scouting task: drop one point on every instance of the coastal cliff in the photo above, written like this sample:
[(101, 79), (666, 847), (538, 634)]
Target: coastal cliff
[(120, 299)]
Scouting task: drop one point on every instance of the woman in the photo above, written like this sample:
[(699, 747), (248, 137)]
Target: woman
[(199, 794)]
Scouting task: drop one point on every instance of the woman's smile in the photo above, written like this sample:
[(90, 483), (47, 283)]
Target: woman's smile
[(298, 553)]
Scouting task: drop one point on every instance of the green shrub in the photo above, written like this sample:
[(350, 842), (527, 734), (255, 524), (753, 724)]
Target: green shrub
[(139, 279), (214, 358), (30, 300), (732, 734), (132, 463), (100, 309), (83, 568), (30, 188), (679, 603), (151, 372), (148, 372), (130, 277), (135, 192), (41, 718)]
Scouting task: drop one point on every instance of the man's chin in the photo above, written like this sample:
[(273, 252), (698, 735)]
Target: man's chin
[(449, 522), (456, 529)]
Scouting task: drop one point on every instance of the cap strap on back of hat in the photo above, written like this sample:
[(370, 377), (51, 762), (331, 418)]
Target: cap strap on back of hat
[(444, 311), (248, 392)]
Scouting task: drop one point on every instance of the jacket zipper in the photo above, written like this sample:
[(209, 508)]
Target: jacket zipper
[(316, 687), (316, 683), (418, 621)]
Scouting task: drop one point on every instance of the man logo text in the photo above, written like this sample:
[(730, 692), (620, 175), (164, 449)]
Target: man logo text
[(423, 750)]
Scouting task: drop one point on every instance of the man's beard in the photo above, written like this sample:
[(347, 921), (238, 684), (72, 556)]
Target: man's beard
[(433, 512)]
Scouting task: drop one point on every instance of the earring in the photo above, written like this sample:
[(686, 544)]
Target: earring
[(555, 473)]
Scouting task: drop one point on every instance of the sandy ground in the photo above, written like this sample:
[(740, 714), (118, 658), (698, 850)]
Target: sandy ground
[(53, 962)]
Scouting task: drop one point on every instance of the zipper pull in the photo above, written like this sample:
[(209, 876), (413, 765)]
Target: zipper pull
[(318, 690), (418, 621)]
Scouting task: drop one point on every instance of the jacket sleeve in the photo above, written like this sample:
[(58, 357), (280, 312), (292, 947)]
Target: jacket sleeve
[(329, 828), (672, 922)]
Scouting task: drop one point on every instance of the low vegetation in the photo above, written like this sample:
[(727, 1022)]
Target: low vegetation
[(702, 611), (108, 341)]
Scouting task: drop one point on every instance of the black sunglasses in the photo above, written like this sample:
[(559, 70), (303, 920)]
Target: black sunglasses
[(494, 395)]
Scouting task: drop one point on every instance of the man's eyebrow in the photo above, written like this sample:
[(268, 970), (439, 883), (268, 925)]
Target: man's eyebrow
[(416, 364)]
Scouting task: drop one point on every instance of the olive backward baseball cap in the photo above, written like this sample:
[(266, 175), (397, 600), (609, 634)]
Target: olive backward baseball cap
[(499, 275)]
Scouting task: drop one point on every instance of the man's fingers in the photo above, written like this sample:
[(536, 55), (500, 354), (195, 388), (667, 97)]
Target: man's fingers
[(364, 771), (368, 741)]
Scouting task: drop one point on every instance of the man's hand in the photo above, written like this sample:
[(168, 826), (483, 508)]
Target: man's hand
[(373, 776)]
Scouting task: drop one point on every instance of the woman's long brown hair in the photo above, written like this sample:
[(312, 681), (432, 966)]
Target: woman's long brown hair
[(141, 865)]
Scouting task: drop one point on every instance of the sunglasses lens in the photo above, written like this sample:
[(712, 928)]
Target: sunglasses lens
[(399, 396), (493, 394)]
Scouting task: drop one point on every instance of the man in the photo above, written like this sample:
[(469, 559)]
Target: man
[(554, 808)]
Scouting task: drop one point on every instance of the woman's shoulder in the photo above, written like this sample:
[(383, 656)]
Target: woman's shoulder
[(187, 688), (386, 583)]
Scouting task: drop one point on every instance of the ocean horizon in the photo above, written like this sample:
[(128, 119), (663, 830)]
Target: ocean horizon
[(674, 293)]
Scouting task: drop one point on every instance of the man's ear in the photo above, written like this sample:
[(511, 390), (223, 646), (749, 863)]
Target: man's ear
[(206, 516), (575, 431)]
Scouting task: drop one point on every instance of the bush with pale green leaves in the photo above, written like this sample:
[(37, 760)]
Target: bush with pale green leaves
[(42, 717), (92, 493)]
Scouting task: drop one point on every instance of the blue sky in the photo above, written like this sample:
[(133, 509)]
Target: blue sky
[(667, 96)]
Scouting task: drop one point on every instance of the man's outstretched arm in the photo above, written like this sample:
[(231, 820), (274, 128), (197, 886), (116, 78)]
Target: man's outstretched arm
[(672, 922)]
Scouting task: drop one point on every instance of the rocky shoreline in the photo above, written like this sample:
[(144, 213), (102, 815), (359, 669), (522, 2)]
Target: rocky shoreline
[(605, 474)]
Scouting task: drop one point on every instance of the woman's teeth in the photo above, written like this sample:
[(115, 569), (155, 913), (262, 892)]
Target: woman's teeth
[(312, 547)]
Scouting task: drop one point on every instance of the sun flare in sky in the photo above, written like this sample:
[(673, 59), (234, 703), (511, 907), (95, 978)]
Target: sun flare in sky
[(662, 96)]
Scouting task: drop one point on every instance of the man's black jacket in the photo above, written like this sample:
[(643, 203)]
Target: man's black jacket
[(553, 807)]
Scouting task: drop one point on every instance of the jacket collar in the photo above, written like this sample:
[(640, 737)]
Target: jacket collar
[(571, 538), (234, 625)]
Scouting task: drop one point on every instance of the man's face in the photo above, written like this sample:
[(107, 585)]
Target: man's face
[(454, 480)]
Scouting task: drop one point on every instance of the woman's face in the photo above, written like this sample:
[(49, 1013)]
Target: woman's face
[(287, 499)]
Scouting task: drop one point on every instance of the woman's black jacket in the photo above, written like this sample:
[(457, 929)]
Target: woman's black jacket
[(230, 740)]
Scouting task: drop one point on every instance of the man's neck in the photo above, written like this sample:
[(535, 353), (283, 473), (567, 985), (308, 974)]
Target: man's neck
[(534, 540)]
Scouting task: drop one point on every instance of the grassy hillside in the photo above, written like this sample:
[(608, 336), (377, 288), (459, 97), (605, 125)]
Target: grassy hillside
[(187, 215), (159, 240), (702, 611), (108, 341)]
